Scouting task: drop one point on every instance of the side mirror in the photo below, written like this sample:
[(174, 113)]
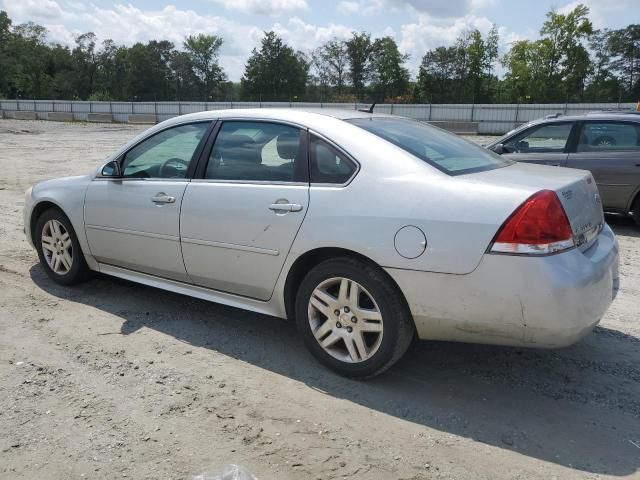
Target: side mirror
[(499, 149), (111, 169)]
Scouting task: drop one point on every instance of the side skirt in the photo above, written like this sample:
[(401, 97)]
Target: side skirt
[(266, 308)]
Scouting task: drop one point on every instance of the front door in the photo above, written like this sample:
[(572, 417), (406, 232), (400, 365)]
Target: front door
[(611, 151), (134, 221), (239, 221), (544, 144)]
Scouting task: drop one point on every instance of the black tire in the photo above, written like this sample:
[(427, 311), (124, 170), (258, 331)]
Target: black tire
[(398, 329), (635, 212), (79, 270)]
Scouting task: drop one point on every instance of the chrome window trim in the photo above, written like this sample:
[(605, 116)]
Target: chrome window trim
[(120, 156), (250, 182), (263, 120), (340, 150), (253, 182), (145, 179)]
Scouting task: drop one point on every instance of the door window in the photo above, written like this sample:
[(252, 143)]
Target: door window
[(549, 138), (166, 154), (609, 137), (257, 151), (328, 165)]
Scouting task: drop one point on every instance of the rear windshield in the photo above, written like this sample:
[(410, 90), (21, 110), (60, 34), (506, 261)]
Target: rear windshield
[(445, 151)]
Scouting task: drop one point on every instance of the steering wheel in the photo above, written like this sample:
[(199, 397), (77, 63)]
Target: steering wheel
[(179, 168)]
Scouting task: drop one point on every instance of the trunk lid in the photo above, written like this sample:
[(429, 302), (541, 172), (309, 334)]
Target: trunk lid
[(576, 190)]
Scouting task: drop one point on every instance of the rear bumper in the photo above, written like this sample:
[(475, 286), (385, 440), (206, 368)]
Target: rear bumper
[(515, 300)]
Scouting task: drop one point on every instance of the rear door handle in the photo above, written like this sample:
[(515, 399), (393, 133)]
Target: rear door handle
[(285, 207), (163, 198)]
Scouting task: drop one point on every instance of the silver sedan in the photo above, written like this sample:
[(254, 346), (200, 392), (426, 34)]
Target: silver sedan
[(370, 230)]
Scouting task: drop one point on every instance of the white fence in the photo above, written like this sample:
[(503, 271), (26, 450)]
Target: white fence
[(481, 118)]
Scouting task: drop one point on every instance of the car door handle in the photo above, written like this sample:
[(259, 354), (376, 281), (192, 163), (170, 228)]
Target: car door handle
[(285, 207), (163, 198)]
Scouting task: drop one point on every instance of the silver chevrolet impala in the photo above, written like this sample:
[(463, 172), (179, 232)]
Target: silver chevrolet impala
[(370, 230)]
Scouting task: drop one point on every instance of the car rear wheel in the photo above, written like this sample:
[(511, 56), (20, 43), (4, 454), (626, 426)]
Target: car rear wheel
[(352, 318), (635, 213), (58, 248)]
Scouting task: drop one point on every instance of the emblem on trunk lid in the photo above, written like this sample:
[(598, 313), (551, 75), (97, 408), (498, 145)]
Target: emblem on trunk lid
[(567, 194)]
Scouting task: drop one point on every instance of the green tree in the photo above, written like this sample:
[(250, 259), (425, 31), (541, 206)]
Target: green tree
[(554, 68), (6, 61), (568, 59), (359, 51), (624, 47), (437, 75), (336, 63), (203, 52), (274, 71), (390, 77), (85, 58)]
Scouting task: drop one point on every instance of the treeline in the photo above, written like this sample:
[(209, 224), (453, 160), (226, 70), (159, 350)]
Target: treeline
[(569, 62)]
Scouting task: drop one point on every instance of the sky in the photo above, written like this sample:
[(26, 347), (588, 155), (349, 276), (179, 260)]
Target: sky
[(416, 25)]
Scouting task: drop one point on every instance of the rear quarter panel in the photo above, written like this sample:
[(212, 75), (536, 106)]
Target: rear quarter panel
[(458, 216)]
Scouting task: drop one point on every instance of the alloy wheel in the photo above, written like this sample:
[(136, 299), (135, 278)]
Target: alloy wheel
[(57, 247), (345, 320)]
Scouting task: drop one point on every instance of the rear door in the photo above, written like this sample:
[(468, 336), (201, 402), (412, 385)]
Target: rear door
[(545, 144), (611, 151), (241, 216)]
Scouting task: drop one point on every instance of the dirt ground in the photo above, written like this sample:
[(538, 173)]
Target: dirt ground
[(111, 379)]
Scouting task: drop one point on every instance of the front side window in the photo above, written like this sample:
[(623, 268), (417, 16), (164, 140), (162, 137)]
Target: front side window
[(444, 151), (257, 151), (166, 154), (328, 165), (609, 137), (549, 138)]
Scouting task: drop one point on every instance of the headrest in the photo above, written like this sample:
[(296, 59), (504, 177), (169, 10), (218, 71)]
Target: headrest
[(287, 144), (239, 148)]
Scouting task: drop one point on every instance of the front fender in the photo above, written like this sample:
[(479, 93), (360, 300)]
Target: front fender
[(68, 195)]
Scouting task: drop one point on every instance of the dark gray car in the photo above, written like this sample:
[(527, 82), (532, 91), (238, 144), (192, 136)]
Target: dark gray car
[(606, 143)]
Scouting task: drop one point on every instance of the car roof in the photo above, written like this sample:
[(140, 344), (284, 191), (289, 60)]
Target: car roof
[(594, 115), (294, 114)]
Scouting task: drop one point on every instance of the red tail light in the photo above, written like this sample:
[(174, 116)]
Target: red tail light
[(538, 227)]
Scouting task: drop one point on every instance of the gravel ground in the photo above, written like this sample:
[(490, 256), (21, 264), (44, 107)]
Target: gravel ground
[(110, 379)]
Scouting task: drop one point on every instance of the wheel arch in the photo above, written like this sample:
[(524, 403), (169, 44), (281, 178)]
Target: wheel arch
[(39, 209), (635, 200), (310, 259)]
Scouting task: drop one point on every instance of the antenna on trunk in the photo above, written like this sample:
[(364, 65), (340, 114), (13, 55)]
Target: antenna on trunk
[(368, 110)]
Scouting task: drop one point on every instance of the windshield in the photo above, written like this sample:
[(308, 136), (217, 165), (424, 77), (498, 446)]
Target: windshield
[(445, 151)]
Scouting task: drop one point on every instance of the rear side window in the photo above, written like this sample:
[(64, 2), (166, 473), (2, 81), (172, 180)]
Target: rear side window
[(328, 165), (548, 138), (609, 137), (257, 151), (445, 151)]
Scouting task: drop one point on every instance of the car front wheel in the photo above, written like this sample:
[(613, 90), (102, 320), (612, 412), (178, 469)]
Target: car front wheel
[(58, 248), (352, 318)]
